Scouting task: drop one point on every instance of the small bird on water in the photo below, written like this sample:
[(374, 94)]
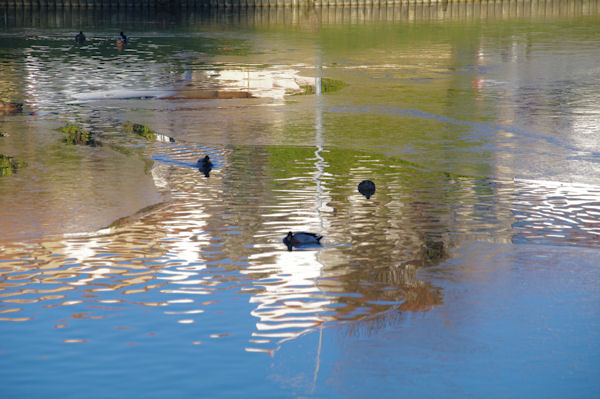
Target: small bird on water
[(300, 239), (366, 188), (205, 165), (80, 37), (121, 41)]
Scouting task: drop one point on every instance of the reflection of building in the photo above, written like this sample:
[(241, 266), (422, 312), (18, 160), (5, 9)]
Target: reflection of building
[(235, 220), (544, 101), (270, 82), (10, 85), (551, 212)]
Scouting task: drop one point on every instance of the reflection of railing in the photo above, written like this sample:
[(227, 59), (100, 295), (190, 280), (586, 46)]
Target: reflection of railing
[(187, 4), (293, 12)]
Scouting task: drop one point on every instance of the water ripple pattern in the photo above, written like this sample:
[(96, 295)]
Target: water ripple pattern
[(557, 213), (204, 257), (219, 239)]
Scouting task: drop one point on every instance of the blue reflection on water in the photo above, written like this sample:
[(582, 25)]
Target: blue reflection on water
[(515, 324), (136, 352)]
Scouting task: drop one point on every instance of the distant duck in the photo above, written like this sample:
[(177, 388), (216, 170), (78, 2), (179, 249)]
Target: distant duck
[(80, 37), (205, 165), (10, 107), (121, 41), (366, 188), (300, 239)]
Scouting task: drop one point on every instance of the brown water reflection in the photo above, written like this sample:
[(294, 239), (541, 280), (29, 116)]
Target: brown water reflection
[(226, 231), (67, 189)]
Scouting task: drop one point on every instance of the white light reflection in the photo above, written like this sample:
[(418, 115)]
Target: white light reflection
[(275, 82), (185, 231), (557, 212), (292, 304), (320, 165)]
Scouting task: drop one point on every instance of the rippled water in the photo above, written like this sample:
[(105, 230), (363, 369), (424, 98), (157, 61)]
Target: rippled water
[(470, 272)]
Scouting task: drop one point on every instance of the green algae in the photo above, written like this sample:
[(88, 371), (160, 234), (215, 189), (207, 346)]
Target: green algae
[(74, 134), (140, 130), (327, 86), (9, 165)]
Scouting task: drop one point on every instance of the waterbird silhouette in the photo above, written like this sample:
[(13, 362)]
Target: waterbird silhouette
[(366, 188), (301, 239), (80, 37), (121, 41), (205, 165)]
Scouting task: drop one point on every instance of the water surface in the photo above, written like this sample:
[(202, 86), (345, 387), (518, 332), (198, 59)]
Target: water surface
[(470, 272)]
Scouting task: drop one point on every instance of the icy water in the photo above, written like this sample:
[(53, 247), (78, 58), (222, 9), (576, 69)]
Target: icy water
[(472, 271)]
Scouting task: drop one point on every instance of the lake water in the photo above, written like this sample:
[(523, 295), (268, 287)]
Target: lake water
[(472, 271)]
